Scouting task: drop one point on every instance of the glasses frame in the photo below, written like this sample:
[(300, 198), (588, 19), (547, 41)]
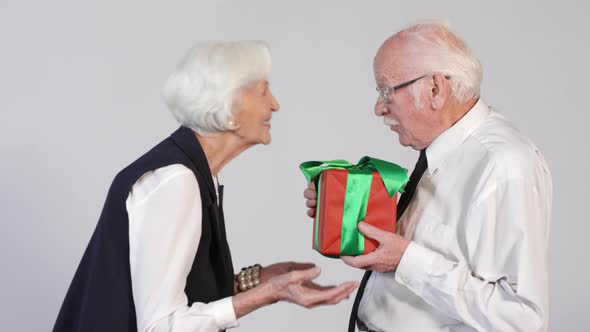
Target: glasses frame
[(384, 93)]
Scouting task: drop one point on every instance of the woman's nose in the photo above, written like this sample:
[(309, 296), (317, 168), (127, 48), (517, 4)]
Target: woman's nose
[(275, 106)]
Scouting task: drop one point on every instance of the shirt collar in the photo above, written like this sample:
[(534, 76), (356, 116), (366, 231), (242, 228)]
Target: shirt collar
[(449, 139)]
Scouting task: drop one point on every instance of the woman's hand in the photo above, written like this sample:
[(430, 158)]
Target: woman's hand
[(297, 287), (271, 271), (290, 282)]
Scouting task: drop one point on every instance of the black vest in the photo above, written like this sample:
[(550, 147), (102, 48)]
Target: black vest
[(100, 296)]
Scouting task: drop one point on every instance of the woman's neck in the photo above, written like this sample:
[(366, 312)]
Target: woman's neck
[(220, 149)]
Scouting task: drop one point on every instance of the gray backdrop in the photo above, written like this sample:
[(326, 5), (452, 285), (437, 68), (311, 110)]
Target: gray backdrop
[(80, 84)]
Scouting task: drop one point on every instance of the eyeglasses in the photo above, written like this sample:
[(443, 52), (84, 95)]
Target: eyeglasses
[(385, 92)]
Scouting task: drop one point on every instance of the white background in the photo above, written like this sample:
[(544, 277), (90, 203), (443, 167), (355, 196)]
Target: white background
[(80, 85)]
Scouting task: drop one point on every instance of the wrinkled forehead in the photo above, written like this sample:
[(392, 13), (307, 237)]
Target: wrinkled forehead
[(390, 62), (389, 66)]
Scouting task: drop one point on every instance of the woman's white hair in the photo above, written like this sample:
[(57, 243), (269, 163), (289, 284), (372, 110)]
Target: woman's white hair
[(432, 47), (206, 83)]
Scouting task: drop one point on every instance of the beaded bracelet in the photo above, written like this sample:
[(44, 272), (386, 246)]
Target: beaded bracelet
[(249, 277)]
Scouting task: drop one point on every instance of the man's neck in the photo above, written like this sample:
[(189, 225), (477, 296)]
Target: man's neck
[(448, 118), (457, 112)]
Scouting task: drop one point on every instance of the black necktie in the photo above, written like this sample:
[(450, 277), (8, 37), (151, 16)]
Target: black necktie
[(403, 203)]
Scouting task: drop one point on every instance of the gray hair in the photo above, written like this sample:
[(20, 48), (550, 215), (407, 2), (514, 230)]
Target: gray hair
[(433, 47), (205, 85)]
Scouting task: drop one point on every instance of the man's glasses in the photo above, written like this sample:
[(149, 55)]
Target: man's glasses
[(384, 93)]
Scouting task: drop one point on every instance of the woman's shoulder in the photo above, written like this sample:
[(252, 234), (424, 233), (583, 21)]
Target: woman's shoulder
[(155, 178), (175, 179)]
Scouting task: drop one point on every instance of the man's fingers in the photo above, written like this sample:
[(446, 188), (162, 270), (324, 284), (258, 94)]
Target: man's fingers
[(310, 193), (311, 203), (360, 262), (372, 231)]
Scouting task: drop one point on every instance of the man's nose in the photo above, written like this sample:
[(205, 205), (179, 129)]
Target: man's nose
[(380, 107)]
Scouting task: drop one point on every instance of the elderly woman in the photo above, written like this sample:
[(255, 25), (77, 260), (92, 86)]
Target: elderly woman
[(159, 259)]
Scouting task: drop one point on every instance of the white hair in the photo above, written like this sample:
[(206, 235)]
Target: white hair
[(433, 48), (205, 85)]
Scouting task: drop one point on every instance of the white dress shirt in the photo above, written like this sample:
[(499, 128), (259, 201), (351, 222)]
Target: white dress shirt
[(479, 226), (164, 208)]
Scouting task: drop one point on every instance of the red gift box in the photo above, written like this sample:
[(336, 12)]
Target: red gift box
[(381, 211)]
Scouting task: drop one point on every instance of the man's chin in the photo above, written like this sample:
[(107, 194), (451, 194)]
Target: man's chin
[(406, 143), (403, 141)]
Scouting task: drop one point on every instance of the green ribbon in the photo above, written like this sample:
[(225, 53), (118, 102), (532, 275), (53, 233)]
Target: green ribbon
[(358, 186), (316, 233)]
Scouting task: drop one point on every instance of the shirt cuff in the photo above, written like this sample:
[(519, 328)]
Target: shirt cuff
[(414, 267), (224, 314)]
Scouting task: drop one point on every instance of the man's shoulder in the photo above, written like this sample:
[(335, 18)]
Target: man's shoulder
[(510, 152)]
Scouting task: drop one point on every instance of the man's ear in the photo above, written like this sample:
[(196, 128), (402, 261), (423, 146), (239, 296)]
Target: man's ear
[(440, 92)]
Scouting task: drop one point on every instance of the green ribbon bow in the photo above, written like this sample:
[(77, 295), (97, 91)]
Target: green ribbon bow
[(358, 186)]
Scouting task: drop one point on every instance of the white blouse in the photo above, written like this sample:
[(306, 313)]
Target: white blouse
[(164, 208)]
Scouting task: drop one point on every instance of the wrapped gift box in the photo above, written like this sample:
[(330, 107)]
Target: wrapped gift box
[(348, 194)]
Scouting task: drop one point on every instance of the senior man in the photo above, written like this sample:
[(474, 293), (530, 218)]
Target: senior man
[(470, 253)]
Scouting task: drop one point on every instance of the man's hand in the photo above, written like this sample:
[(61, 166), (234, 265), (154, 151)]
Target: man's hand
[(311, 196), (386, 257), (391, 246)]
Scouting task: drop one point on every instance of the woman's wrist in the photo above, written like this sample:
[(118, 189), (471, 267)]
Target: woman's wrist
[(251, 300), (249, 277), (245, 276)]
